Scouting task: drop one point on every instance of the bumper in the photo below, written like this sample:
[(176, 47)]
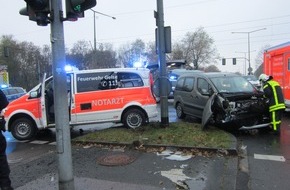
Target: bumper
[(255, 126), (151, 111)]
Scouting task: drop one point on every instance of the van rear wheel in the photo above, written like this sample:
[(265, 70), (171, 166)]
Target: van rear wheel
[(179, 111), (133, 118), (23, 129)]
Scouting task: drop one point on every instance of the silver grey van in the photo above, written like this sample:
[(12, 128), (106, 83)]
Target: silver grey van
[(223, 99)]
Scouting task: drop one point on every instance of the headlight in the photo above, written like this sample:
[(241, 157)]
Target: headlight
[(226, 104)]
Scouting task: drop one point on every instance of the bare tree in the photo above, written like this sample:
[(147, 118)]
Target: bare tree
[(152, 56), (196, 48), (178, 52), (131, 53), (45, 64), (84, 57), (211, 68), (78, 55), (106, 56), (23, 61), (28, 59)]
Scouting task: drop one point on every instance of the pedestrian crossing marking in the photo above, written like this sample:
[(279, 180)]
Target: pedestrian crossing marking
[(269, 157)]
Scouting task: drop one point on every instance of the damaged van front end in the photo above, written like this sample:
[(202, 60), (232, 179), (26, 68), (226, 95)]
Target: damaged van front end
[(243, 111)]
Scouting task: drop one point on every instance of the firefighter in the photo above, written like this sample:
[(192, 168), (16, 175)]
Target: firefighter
[(5, 182), (274, 93)]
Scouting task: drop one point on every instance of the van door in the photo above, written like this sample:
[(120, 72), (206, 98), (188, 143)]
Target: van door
[(202, 92), (187, 95), (70, 97), (43, 118)]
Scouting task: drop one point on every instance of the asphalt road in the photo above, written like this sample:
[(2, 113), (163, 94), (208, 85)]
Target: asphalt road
[(263, 163), (265, 159)]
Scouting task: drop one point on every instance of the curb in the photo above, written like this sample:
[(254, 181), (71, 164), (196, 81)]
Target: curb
[(233, 151)]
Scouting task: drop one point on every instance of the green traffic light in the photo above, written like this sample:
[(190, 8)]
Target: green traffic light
[(77, 8)]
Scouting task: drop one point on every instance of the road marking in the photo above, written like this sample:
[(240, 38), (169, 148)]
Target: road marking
[(39, 142), (269, 157), (176, 176), (243, 163), (52, 143)]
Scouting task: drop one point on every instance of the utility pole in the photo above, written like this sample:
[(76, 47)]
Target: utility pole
[(245, 58), (250, 69), (63, 138), (95, 33)]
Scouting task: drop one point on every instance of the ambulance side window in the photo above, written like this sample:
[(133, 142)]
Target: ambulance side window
[(68, 83), (87, 82), (129, 80)]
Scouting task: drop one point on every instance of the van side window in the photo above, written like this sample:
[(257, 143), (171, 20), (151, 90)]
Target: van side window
[(127, 80), (188, 84), (87, 82), (179, 84), (202, 86)]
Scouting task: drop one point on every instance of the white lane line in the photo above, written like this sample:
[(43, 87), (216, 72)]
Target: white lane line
[(269, 157), (16, 141), (39, 142), (243, 163), (52, 143)]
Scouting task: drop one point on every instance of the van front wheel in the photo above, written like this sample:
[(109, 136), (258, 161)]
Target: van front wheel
[(133, 118), (23, 129)]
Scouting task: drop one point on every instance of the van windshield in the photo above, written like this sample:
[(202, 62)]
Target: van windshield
[(232, 84)]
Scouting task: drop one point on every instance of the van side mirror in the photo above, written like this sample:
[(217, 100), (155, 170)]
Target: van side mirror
[(210, 91), (207, 92), (33, 94)]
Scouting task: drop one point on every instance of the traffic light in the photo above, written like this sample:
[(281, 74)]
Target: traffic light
[(223, 61), (75, 8), (37, 10), (234, 61), (6, 51)]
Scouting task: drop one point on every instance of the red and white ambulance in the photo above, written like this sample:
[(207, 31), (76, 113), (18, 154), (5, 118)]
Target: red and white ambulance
[(119, 95)]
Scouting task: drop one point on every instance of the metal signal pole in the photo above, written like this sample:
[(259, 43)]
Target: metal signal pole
[(63, 138)]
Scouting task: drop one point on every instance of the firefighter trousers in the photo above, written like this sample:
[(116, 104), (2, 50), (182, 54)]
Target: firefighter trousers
[(276, 117), (5, 182)]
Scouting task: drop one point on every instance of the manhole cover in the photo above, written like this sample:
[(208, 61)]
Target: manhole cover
[(116, 160)]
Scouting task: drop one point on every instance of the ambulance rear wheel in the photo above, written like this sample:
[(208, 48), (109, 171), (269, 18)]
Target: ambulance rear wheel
[(133, 118), (23, 129)]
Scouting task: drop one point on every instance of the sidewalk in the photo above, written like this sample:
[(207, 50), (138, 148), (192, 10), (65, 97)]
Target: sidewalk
[(49, 182), (149, 171)]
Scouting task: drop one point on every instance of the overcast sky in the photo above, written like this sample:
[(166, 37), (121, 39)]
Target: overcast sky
[(134, 19)]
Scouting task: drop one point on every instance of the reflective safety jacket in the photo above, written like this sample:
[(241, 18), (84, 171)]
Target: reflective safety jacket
[(273, 91)]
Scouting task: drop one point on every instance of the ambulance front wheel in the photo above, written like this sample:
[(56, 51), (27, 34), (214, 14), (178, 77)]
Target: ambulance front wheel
[(133, 118), (23, 129)]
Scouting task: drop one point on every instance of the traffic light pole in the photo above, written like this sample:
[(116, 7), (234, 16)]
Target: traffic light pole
[(162, 65), (46, 12), (63, 138)]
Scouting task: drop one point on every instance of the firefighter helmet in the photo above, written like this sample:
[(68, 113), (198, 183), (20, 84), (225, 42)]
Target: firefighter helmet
[(263, 77)]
